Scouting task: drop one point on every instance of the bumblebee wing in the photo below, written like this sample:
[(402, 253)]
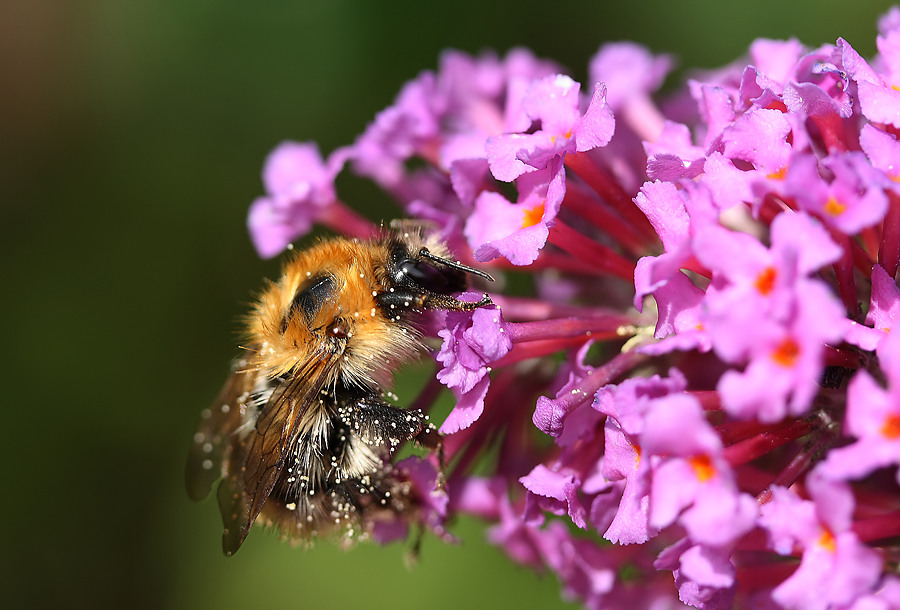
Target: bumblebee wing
[(207, 454), (243, 493)]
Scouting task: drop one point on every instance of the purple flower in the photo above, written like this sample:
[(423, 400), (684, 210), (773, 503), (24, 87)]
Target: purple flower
[(879, 100), (776, 60), (673, 155), (300, 185), (675, 215), (472, 341), (883, 310), (586, 573), (578, 422), (431, 501), (484, 98), (680, 324), (785, 360), (836, 568), (759, 137), (792, 317), (703, 575), (517, 231), (398, 132), (629, 402), (631, 74), (627, 406), (883, 151), (854, 198), (558, 492), (623, 464), (446, 117), (554, 103), (692, 482), (748, 277), (885, 305), (873, 418), (629, 71)]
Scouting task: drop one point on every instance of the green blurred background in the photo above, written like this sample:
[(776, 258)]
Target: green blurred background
[(132, 138)]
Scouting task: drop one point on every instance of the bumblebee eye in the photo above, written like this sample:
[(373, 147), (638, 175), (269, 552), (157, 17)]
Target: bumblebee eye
[(309, 298), (421, 273)]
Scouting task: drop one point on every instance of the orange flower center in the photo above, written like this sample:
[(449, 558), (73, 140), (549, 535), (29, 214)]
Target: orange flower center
[(786, 353), (637, 455), (778, 174), (703, 467), (833, 207), (533, 215), (827, 541), (891, 427), (765, 281)]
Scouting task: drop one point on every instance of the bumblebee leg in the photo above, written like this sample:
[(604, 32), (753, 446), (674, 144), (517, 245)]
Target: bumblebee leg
[(399, 303), (395, 304), (378, 423), (450, 303)]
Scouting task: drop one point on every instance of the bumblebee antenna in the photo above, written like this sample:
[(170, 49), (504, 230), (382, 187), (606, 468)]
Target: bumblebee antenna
[(425, 253)]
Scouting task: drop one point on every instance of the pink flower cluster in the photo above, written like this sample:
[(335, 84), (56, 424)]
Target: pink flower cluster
[(707, 336)]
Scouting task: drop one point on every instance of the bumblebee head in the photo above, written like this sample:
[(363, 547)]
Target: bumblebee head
[(419, 279)]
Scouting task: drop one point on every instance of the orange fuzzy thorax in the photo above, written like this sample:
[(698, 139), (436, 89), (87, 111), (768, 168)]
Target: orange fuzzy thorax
[(374, 345)]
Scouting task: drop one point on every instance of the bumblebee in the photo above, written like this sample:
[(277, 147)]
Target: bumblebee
[(300, 435)]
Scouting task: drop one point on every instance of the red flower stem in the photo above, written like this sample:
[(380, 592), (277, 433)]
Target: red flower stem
[(692, 264), (761, 444), (843, 269), (870, 238), (841, 357), (518, 453), (538, 349), (889, 251), (586, 249), (832, 129), (610, 191), (754, 578), (786, 477), (752, 479), (560, 328), (800, 463), (342, 219), (734, 431), (874, 501), (709, 399), (771, 207), (553, 260), (644, 117), (527, 309), (601, 216), (861, 259), (467, 444), (600, 376), (877, 528)]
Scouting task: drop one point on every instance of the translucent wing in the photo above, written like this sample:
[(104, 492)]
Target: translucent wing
[(206, 458), (245, 490)]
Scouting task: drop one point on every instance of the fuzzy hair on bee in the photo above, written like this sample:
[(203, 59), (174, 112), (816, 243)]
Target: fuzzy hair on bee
[(300, 434)]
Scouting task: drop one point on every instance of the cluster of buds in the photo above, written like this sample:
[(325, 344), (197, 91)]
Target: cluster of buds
[(689, 392)]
